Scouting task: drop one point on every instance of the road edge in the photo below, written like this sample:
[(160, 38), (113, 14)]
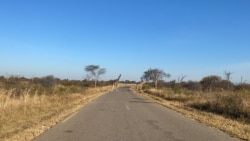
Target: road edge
[(199, 116)]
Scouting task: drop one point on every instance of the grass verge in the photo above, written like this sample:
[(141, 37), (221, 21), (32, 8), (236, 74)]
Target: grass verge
[(184, 104), (28, 115)]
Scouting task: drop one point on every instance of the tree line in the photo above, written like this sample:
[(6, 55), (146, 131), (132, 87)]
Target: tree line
[(152, 75), (207, 83)]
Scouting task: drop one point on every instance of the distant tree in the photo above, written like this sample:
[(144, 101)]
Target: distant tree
[(181, 78), (155, 75), (209, 81), (225, 85), (172, 84), (242, 86), (242, 80), (228, 77), (48, 81), (180, 81), (94, 72)]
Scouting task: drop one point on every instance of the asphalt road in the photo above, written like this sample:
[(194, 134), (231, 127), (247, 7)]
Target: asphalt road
[(122, 115)]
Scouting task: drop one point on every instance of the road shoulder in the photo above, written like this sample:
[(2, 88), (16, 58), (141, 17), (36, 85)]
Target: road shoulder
[(226, 125)]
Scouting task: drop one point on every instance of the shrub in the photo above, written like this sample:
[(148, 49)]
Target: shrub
[(192, 85), (48, 81)]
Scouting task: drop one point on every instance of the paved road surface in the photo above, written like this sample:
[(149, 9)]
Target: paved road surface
[(122, 115)]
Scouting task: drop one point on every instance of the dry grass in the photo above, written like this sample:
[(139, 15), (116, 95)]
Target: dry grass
[(26, 116), (226, 111)]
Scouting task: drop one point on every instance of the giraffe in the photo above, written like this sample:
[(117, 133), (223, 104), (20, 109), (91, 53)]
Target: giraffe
[(115, 84), (139, 85)]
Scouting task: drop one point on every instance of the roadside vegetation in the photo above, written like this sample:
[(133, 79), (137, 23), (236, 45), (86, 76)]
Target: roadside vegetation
[(30, 106), (213, 100)]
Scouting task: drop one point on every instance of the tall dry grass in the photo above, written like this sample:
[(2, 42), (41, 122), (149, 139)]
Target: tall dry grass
[(30, 108), (229, 104)]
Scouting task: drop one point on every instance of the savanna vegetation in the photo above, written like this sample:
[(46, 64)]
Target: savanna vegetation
[(212, 95), (30, 106)]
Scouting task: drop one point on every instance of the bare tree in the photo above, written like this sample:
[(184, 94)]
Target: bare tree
[(242, 81), (228, 77), (155, 75), (94, 72), (181, 78)]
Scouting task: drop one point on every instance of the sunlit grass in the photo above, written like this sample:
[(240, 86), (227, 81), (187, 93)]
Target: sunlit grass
[(24, 116), (228, 111)]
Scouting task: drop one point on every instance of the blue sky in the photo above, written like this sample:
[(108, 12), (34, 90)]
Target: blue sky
[(196, 38)]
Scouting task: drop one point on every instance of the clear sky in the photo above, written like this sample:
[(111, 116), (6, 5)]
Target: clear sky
[(196, 38)]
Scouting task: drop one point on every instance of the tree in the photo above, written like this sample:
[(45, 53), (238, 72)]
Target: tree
[(228, 76), (94, 72), (181, 78), (155, 75), (48, 81), (225, 85), (242, 81), (209, 81)]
